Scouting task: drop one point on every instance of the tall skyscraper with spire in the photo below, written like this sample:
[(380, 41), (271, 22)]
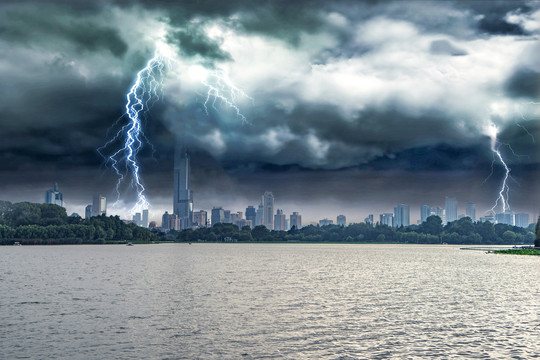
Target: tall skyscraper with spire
[(183, 195)]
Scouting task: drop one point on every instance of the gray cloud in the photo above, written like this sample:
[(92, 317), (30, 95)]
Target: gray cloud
[(444, 47)]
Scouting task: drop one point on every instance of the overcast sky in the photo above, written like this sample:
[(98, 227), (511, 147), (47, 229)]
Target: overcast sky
[(352, 107)]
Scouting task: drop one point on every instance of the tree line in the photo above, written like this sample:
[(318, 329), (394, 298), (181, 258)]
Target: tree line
[(31, 223), (432, 231)]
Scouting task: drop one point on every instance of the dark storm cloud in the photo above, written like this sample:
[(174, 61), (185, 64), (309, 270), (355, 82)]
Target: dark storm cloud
[(29, 27), (524, 83), (192, 41)]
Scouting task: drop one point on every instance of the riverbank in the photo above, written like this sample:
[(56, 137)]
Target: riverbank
[(520, 251)]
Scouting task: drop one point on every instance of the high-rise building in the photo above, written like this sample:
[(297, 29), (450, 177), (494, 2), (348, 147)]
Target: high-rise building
[(53, 196), (522, 220), (200, 218), (471, 210), (341, 220), (506, 217), (227, 217), (170, 221), (425, 212), (279, 221), (401, 215), (137, 219), (88, 212), (251, 214), (183, 195), (144, 222), (369, 219), (268, 209), (165, 220), (296, 220), (218, 215), (387, 219), (450, 205), (259, 216), (99, 205)]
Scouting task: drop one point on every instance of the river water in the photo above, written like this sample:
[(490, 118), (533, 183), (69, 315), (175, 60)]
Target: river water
[(267, 301)]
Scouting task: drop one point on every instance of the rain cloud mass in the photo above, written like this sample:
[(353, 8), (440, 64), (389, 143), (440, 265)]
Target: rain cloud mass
[(356, 106)]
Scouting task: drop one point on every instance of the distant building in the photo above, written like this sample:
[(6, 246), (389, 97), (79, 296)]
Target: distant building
[(259, 216), (279, 221), (137, 219), (369, 219), (506, 217), (152, 225), (450, 205), (341, 220), (522, 220), (268, 209), (183, 195), (243, 222), (251, 214), (165, 221), (401, 215), (227, 217), (425, 212), (296, 220), (387, 219), (218, 215), (325, 222), (88, 212), (200, 218), (99, 205), (53, 196), (144, 222), (170, 221), (488, 218), (471, 210)]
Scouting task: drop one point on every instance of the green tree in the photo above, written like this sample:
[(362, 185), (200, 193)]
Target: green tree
[(537, 232), (432, 225), (509, 237)]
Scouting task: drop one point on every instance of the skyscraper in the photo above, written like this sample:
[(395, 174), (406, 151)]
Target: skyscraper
[(387, 219), (200, 218), (401, 215), (144, 222), (251, 214), (369, 219), (522, 220), (259, 215), (218, 215), (88, 212), (506, 217), (268, 209), (450, 205), (137, 219), (99, 205), (296, 220), (279, 221), (471, 211), (183, 195), (425, 211), (53, 196), (341, 220)]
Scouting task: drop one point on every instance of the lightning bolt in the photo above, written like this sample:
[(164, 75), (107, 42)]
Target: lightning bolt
[(503, 191), (144, 92)]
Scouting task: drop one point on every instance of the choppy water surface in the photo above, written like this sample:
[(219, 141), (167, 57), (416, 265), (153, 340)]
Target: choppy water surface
[(253, 301)]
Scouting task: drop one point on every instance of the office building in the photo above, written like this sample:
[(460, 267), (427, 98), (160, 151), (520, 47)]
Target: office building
[(296, 220), (470, 211), (386, 219), (268, 209), (325, 222), (183, 195), (279, 221), (144, 222), (137, 219), (259, 215), (53, 196), (170, 221), (88, 212), (450, 206), (521, 220), (227, 217), (99, 205), (401, 215), (251, 214), (200, 218), (506, 217), (425, 212), (218, 215), (341, 220), (369, 219)]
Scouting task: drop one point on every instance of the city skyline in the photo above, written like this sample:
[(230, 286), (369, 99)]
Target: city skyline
[(359, 107)]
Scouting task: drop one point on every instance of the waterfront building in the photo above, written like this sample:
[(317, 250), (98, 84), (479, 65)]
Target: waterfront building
[(386, 219), (99, 205), (218, 215), (522, 220), (325, 222), (183, 195), (53, 196), (279, 221), (200, 218), (425, 212), (341, 220), (471, 210), (296, 220), (401, 215), (451, 206), (268, 210)]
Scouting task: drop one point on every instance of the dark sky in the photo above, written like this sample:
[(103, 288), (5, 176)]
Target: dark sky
[(353, 106)]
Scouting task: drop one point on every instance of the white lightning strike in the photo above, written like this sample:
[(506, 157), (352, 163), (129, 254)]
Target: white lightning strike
[(144, 92), (492, 132)]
